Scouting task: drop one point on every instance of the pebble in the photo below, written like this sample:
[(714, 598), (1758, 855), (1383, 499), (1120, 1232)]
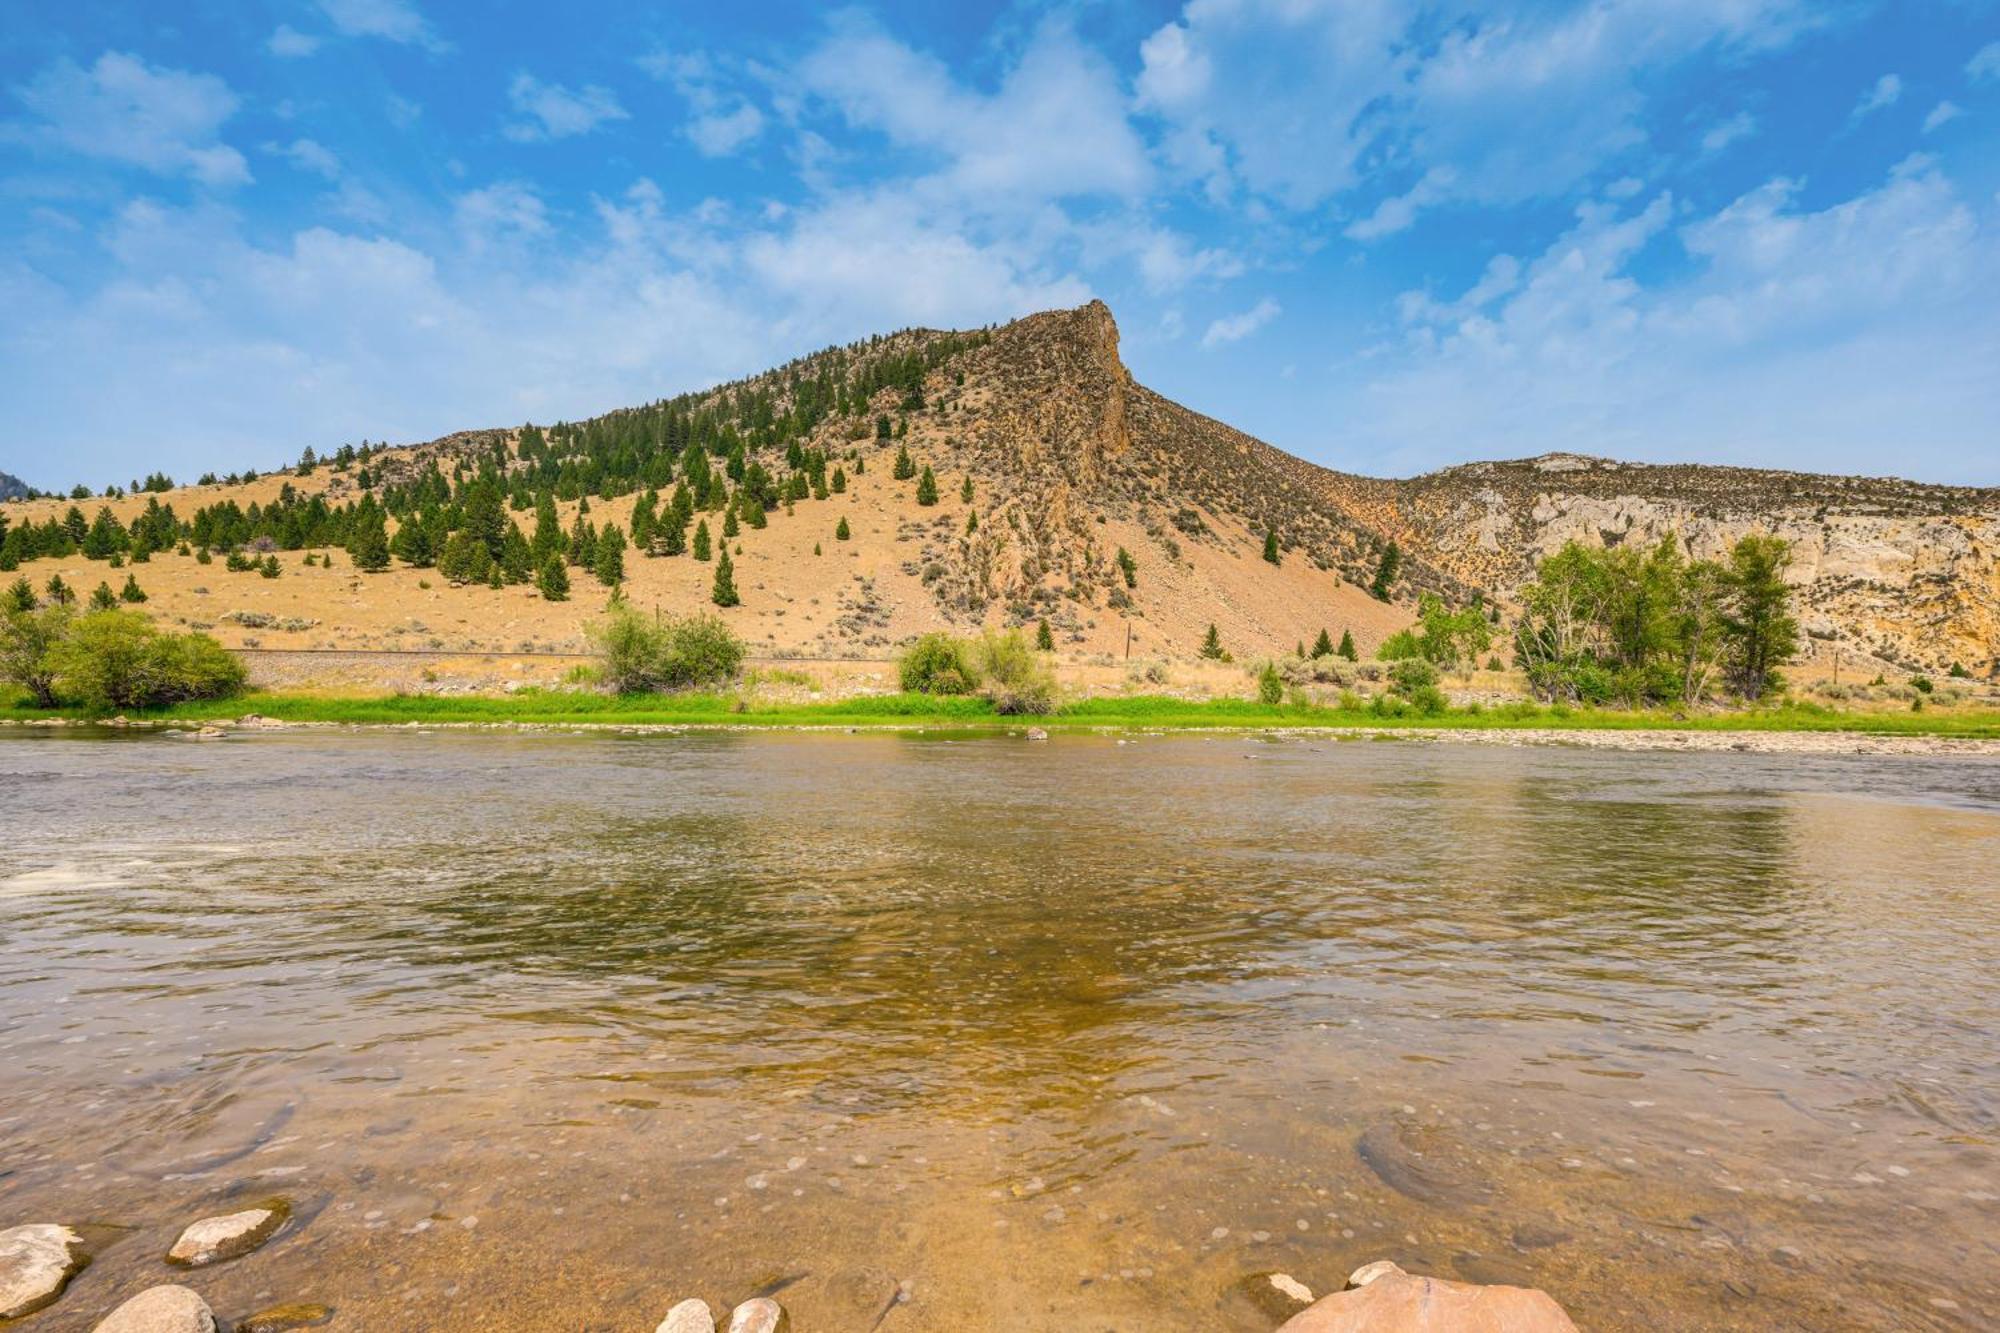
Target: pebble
[(36, 1263), (167, 1309)]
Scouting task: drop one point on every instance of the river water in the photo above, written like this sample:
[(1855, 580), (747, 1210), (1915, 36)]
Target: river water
[(547, 1032)]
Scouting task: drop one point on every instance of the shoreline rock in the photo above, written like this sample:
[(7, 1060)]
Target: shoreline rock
[(164, 1309), (1382, 1296), (226, 1236), (36, 1263)]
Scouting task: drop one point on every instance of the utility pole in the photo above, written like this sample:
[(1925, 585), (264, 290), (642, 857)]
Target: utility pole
[(1128, 640)]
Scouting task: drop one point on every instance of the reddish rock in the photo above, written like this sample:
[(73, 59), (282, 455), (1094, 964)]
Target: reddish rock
[(1382, 1298)]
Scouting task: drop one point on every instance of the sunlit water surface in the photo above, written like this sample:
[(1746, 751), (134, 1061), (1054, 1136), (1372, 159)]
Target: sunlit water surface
[(546, 1032)]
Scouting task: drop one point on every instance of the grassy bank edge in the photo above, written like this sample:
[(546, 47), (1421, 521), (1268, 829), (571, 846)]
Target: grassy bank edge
[(562, 707)]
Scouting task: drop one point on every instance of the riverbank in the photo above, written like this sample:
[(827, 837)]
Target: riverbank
[(1518, 723)]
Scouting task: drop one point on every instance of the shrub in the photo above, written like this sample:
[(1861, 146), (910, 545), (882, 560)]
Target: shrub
[(1400, 645), (1270, 685), (119, 659), (1922, 684), (27, 642), (638, 654), (1017, 680), (937, 664)]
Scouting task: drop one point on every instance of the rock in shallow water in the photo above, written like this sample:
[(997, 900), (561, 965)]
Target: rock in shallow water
[(762, 1315), (1381, 1297), (1270, 1297), (214, 1240), (690, 1316), (36, 1263), (284, 1318), (166, 1309)]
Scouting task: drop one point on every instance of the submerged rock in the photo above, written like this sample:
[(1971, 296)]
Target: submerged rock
[(1270, 1297), (215, 1240), (167, 1309), (1380, 1296), (1412, 1161), (690, 1316), (1037, 734), (283, 1318), (761, 1315), (36, 1263)]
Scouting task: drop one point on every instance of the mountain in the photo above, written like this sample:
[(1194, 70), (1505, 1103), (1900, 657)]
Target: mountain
[(13, 488), (1071, 462)]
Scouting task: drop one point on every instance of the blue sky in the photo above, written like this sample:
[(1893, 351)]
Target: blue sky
[(1385, 235)]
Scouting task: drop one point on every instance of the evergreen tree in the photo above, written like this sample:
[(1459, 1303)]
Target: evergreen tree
[(553, 580), (1045, 638), (724, 591), (971, 522), (1323, 645), (1211, 644), (965, 490), (1271, 546), (1128, 567), (102, 598), (882, 430), (464, 559), (269, 569), (701, 540), (517, 558), (131, 592), (60, 593), (927, 487), (841, 531), (839, 482), (671, 536), (368, 545), (1385, 572), (906, 466), (20, 596), (548, 539), (1347, 649), (610, 566), (729, 525)]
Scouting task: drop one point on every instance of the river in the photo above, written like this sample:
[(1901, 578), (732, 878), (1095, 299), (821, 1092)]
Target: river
[(549, 1031)]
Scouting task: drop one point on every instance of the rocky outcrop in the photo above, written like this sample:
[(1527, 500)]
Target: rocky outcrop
[(1382, 1298), (36, 1263)]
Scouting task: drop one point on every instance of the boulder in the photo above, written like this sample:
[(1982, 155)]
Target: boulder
[(690, 1316), (215, 1240), (36, 1263), (1382, 1298), (760, 1315), (166, 1309)]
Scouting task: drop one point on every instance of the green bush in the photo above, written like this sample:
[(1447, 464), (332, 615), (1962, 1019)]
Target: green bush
[(937, 664), (1018, 681), (1270, 686), (119, 659), (639, 654)]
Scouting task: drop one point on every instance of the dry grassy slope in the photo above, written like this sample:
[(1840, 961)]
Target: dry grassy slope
[(1070, 460)]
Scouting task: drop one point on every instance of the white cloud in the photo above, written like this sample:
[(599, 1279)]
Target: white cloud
[(501, 214), (551, 111), (1235, 328), (1942, 114), (725, 121), (121, 109), (1054, 128), (391, 20), (1985, 63), (1888, 90), (720, 134), (1863, 333), (1397, 212), (289, 42), (1724, 133), (309, 155)]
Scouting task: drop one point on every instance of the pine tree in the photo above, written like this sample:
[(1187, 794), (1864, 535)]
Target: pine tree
[(20, 596), (965, 491), (1323, 645), (553, 580), (1347, 649), (841, 532), (927, 487), (517, 558), (369, 546), (102, 598), (1045, 638), (724, 591), (1385, 572), (701, 549), (1211, 644), (610, 564), (548, 539), (131, 593), (1128, 567), (671, 536), (729, 524), (906, 466), (269, 569), (59, 592), (882, 430), (1271, 546), (971, 522), (839, 482)]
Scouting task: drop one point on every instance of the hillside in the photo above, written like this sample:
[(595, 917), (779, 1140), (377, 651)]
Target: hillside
[(1069, 461), (13, 488)]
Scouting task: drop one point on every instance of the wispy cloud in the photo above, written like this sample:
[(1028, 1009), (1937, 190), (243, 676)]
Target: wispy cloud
[(1235, 328), (389, 20), (290, 43), (551, 111), (1985, 63), (1888, 90), (121, 109), (1719, 136), (1942, 114)]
